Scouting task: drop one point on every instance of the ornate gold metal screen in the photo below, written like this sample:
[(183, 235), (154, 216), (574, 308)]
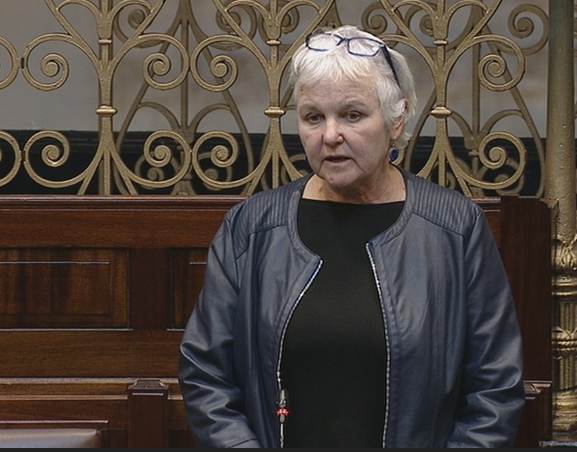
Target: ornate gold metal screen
[(186, 60), (187, 57)]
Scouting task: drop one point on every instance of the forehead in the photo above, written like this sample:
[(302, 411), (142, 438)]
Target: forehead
[(338, 91)]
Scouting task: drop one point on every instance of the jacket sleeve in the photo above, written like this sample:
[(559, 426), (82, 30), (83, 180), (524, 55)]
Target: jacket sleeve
[(213, 401), (492, 394)]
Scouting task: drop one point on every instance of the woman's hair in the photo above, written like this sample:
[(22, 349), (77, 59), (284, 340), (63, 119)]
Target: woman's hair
[(395, 86)]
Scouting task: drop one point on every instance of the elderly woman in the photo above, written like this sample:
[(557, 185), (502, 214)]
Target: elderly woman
[(359, 306)]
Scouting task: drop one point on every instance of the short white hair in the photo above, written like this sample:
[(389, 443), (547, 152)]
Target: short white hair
[(394, 85)]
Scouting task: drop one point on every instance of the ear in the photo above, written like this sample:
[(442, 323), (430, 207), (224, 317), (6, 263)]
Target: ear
[(397, 127)]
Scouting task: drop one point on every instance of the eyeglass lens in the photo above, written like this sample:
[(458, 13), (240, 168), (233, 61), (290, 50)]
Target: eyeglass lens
[(358, 46)]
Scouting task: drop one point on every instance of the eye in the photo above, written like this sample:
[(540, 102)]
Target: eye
[(353, 116), (313, 118)]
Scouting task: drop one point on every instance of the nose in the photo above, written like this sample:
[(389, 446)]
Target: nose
[(332, 133)]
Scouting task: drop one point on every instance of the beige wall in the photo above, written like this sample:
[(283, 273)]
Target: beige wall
[(72, 107)]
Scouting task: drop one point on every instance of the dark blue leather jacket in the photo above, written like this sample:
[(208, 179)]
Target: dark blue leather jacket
[(454, 370)]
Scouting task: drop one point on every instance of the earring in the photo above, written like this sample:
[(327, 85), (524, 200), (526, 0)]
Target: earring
[(393, 154)]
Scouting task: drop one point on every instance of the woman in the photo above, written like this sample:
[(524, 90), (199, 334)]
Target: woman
[(360, 306)]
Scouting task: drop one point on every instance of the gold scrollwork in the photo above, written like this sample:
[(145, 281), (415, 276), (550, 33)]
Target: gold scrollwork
[(53, 154), (493, 73), (14, 66), (159, 156), (221, 157), (52, 65), (269, 32), (16, 153)]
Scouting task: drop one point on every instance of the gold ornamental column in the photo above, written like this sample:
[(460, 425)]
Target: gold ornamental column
[(560, 186)]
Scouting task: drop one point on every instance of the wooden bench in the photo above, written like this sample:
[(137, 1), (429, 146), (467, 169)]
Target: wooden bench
[(95, 293), (50, 438)]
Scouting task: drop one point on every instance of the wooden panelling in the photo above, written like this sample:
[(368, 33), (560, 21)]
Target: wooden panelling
[(111, 222), (527, 255), (91, 353), (188, 273), (94, 294), (63, 288)]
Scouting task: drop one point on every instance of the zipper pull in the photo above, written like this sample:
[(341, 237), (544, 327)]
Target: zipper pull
[(282, 412)]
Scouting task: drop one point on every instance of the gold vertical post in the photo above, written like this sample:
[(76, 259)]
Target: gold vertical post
[(560, 186), (560, 158)]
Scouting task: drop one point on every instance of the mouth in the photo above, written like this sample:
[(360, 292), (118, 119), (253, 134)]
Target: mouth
[(336, 159)]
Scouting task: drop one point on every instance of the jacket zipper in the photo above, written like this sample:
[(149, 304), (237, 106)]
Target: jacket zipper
[(282, 393), (379, 291), (282, 398)]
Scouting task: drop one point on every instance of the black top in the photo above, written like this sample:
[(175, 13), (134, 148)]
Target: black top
[(334, 356)]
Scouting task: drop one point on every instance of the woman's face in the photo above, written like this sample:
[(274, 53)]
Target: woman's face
[(345, 138)]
